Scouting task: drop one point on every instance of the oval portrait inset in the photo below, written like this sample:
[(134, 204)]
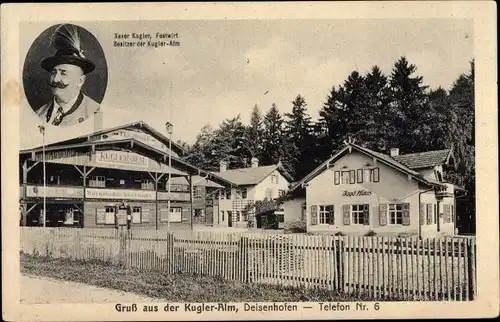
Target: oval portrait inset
[(65, 75)]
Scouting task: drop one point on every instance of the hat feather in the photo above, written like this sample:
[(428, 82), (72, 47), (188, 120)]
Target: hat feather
[(66, 36)]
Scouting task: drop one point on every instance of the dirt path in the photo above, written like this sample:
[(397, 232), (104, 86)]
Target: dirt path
[(43, 290)]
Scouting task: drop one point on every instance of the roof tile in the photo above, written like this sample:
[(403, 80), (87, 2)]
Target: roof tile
[(423, 159)]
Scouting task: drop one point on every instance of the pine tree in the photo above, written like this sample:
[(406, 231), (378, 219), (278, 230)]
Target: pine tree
[(275, 148), (298, 130), (408, 105), (254, 135)]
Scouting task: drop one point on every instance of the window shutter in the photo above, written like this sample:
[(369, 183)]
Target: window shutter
[(366, 215), (314, 215), (376, 175), (382, 214), (422, 214), (331, 215), (429, 214), (352, 176), (406, 214), (359, 176), (336, 177), (453, 219), (347, 214)]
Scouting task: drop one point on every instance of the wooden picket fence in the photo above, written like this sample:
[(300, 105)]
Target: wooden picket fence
[(377, 267)]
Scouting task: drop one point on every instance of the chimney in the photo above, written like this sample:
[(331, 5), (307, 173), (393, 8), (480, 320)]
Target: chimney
[(394, 152), (222, 166), (98, 121), (255, 162)]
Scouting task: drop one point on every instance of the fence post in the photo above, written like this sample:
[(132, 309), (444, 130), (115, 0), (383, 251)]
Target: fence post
[(123, 248), (471, 267), (339, 244), (170, 252), (243, 258)]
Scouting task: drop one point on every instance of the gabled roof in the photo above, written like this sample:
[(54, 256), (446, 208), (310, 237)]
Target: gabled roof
[(427, 159), (137, 125), (384, 158), (127, 144), (252, 176)]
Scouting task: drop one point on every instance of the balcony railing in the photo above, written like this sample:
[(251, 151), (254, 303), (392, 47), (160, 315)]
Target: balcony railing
[(34, 191), (71, 192)]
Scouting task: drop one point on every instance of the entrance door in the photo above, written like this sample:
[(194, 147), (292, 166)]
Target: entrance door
[(229, 219)]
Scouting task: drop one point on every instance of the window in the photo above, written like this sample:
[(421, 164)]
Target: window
[(197, 192), (136, 215), (97, 181), (281, 218), (360, 214), (345, 177), (352, 176), (326, 215), (281, 193), (223, 194), (274, 178), (238, 194), (396, 214), (371, 175), (198, 212), (147, 184), (175, 214), (244, 193), (228, 193), (110, 215)]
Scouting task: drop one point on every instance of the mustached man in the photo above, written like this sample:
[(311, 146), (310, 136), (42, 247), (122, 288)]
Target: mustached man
[(68, 69)]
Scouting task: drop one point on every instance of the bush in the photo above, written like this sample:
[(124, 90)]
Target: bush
[(370, 233), (295, 227)]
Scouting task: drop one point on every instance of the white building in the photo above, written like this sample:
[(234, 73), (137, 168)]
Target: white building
[(358, 190), (253, 184)]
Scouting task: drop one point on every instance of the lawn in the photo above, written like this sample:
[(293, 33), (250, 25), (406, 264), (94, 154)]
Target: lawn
[(172, 287)]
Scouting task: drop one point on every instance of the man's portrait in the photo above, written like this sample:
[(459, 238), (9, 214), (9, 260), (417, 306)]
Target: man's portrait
[(65, 75)]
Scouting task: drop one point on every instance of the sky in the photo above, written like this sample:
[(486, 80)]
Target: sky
[(223, 68)]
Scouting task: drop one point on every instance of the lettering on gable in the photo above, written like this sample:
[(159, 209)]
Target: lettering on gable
[(356, 193)]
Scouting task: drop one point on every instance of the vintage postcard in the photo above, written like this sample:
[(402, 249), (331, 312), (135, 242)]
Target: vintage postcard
[(238, 161)]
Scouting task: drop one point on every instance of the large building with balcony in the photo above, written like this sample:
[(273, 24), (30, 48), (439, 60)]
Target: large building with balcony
[(88, 178), (358, 190)]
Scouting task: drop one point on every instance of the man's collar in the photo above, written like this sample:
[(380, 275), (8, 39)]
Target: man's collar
[(65, 107)]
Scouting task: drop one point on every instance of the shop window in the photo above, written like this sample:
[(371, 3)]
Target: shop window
[(97, 181), (110, 215), (326, 215), (136, 215), (360, 214), (175, 214)]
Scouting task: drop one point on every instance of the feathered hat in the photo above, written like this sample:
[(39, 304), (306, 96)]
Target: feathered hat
[(66, 41)]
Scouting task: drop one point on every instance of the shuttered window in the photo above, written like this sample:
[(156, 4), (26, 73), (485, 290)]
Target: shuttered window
[(314, 215), (360, 214), (326, 215), (396, 213), (359, 175)]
